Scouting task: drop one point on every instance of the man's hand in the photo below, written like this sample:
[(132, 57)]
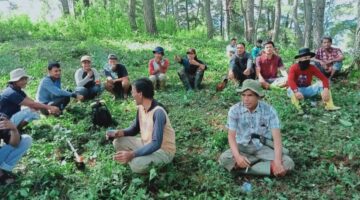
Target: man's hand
[(7, 124), (193, 62), (202, 67), (278, 168), (124, 156), (325, 95), (90, 73), (299, 95), (246, 72), (79, 97), (242, 162), (54, 110), (177, 58)]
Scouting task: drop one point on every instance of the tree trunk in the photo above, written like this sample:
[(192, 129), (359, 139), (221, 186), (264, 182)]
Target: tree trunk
[(250, 20), (187, 15), (65, 6), (209, 22), (276, 31), (86, 3), (308, 23), (226, 7), (319, 22), (257, 21), (221, 18), (357, 42), (71, 7), (268, 14), (298, 32), (245, 18), (132, 15), (149, 16)]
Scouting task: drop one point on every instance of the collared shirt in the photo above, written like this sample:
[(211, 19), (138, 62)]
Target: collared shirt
[(261, 122), (269, 67), (241, 61), (331, 54), (255, 52)]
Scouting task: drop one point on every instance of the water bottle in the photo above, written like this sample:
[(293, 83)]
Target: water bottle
[(246, 187)]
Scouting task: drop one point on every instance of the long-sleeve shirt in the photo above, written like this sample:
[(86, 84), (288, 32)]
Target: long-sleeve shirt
[(50, 89), (243, 61), (189, 68), (158, 131), (303, 78), (160, 68), (82, 80)]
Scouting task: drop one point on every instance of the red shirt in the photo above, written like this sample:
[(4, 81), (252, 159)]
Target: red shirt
[(269, 67), (330, 54), (162, 67), (303, 78)]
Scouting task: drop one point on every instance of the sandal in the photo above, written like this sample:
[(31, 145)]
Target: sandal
[(7, 178)]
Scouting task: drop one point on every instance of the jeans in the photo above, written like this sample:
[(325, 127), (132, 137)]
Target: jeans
[(10, 156), (309, 91), (88, 93), (336, 65), (26, 114)]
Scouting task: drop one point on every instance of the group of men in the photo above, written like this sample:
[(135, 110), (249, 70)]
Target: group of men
[(266, 63), (253, 125)]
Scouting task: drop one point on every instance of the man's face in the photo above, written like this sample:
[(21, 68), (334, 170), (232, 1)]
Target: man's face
[(55, 73), (158, 55), (326, 43), (112, 63), (269, 49), (136, 95), (304, 58), (86, 65), (191, 55), (233, 42), (258, 45), (21, 83), (240, 49), (250, 99)]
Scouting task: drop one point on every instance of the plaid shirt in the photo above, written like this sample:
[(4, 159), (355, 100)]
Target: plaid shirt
[(322, 54), (261, 121)]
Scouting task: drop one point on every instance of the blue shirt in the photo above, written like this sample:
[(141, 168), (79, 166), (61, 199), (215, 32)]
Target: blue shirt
[(50, 89), (10, 100), (255, 52), (261, 122)]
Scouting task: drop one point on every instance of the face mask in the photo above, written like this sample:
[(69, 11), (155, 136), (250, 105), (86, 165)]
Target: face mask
[(304, 64)]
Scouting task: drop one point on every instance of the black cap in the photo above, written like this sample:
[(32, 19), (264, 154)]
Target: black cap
[(159, 50)]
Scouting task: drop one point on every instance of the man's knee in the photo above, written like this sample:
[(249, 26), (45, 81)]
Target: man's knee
[(337, 65), (288, 163), (26, 141), (162, 77), (226, 160), (139, 165), (152, 78), (81, 91)]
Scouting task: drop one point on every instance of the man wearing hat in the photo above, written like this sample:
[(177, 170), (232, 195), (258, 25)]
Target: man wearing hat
[(117, 79), (49, 91), (193, 72), (13, 98), (87, 79), (300, 79), (254, 136), (267, 66), (158, 67)]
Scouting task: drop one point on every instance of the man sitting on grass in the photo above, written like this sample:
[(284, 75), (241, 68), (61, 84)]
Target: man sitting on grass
[(15, 147), (49, 91), (13, 98), (156, 144), (300, 82), (252, 125)]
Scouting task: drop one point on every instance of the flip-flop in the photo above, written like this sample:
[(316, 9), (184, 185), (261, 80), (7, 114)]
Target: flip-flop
[(7, 178)]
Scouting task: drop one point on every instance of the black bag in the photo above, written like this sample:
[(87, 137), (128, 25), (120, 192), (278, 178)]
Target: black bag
[(101, 115)]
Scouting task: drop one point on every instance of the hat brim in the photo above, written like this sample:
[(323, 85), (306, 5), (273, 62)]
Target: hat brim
[(305, 54), (18, 78), (243, 89)]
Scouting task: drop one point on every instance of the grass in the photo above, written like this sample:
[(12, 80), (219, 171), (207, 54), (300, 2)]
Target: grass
[(324, 145)]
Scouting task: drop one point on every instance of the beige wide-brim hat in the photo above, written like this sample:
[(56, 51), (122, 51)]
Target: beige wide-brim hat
[(85, 58), (17, 74), (253, 85)]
